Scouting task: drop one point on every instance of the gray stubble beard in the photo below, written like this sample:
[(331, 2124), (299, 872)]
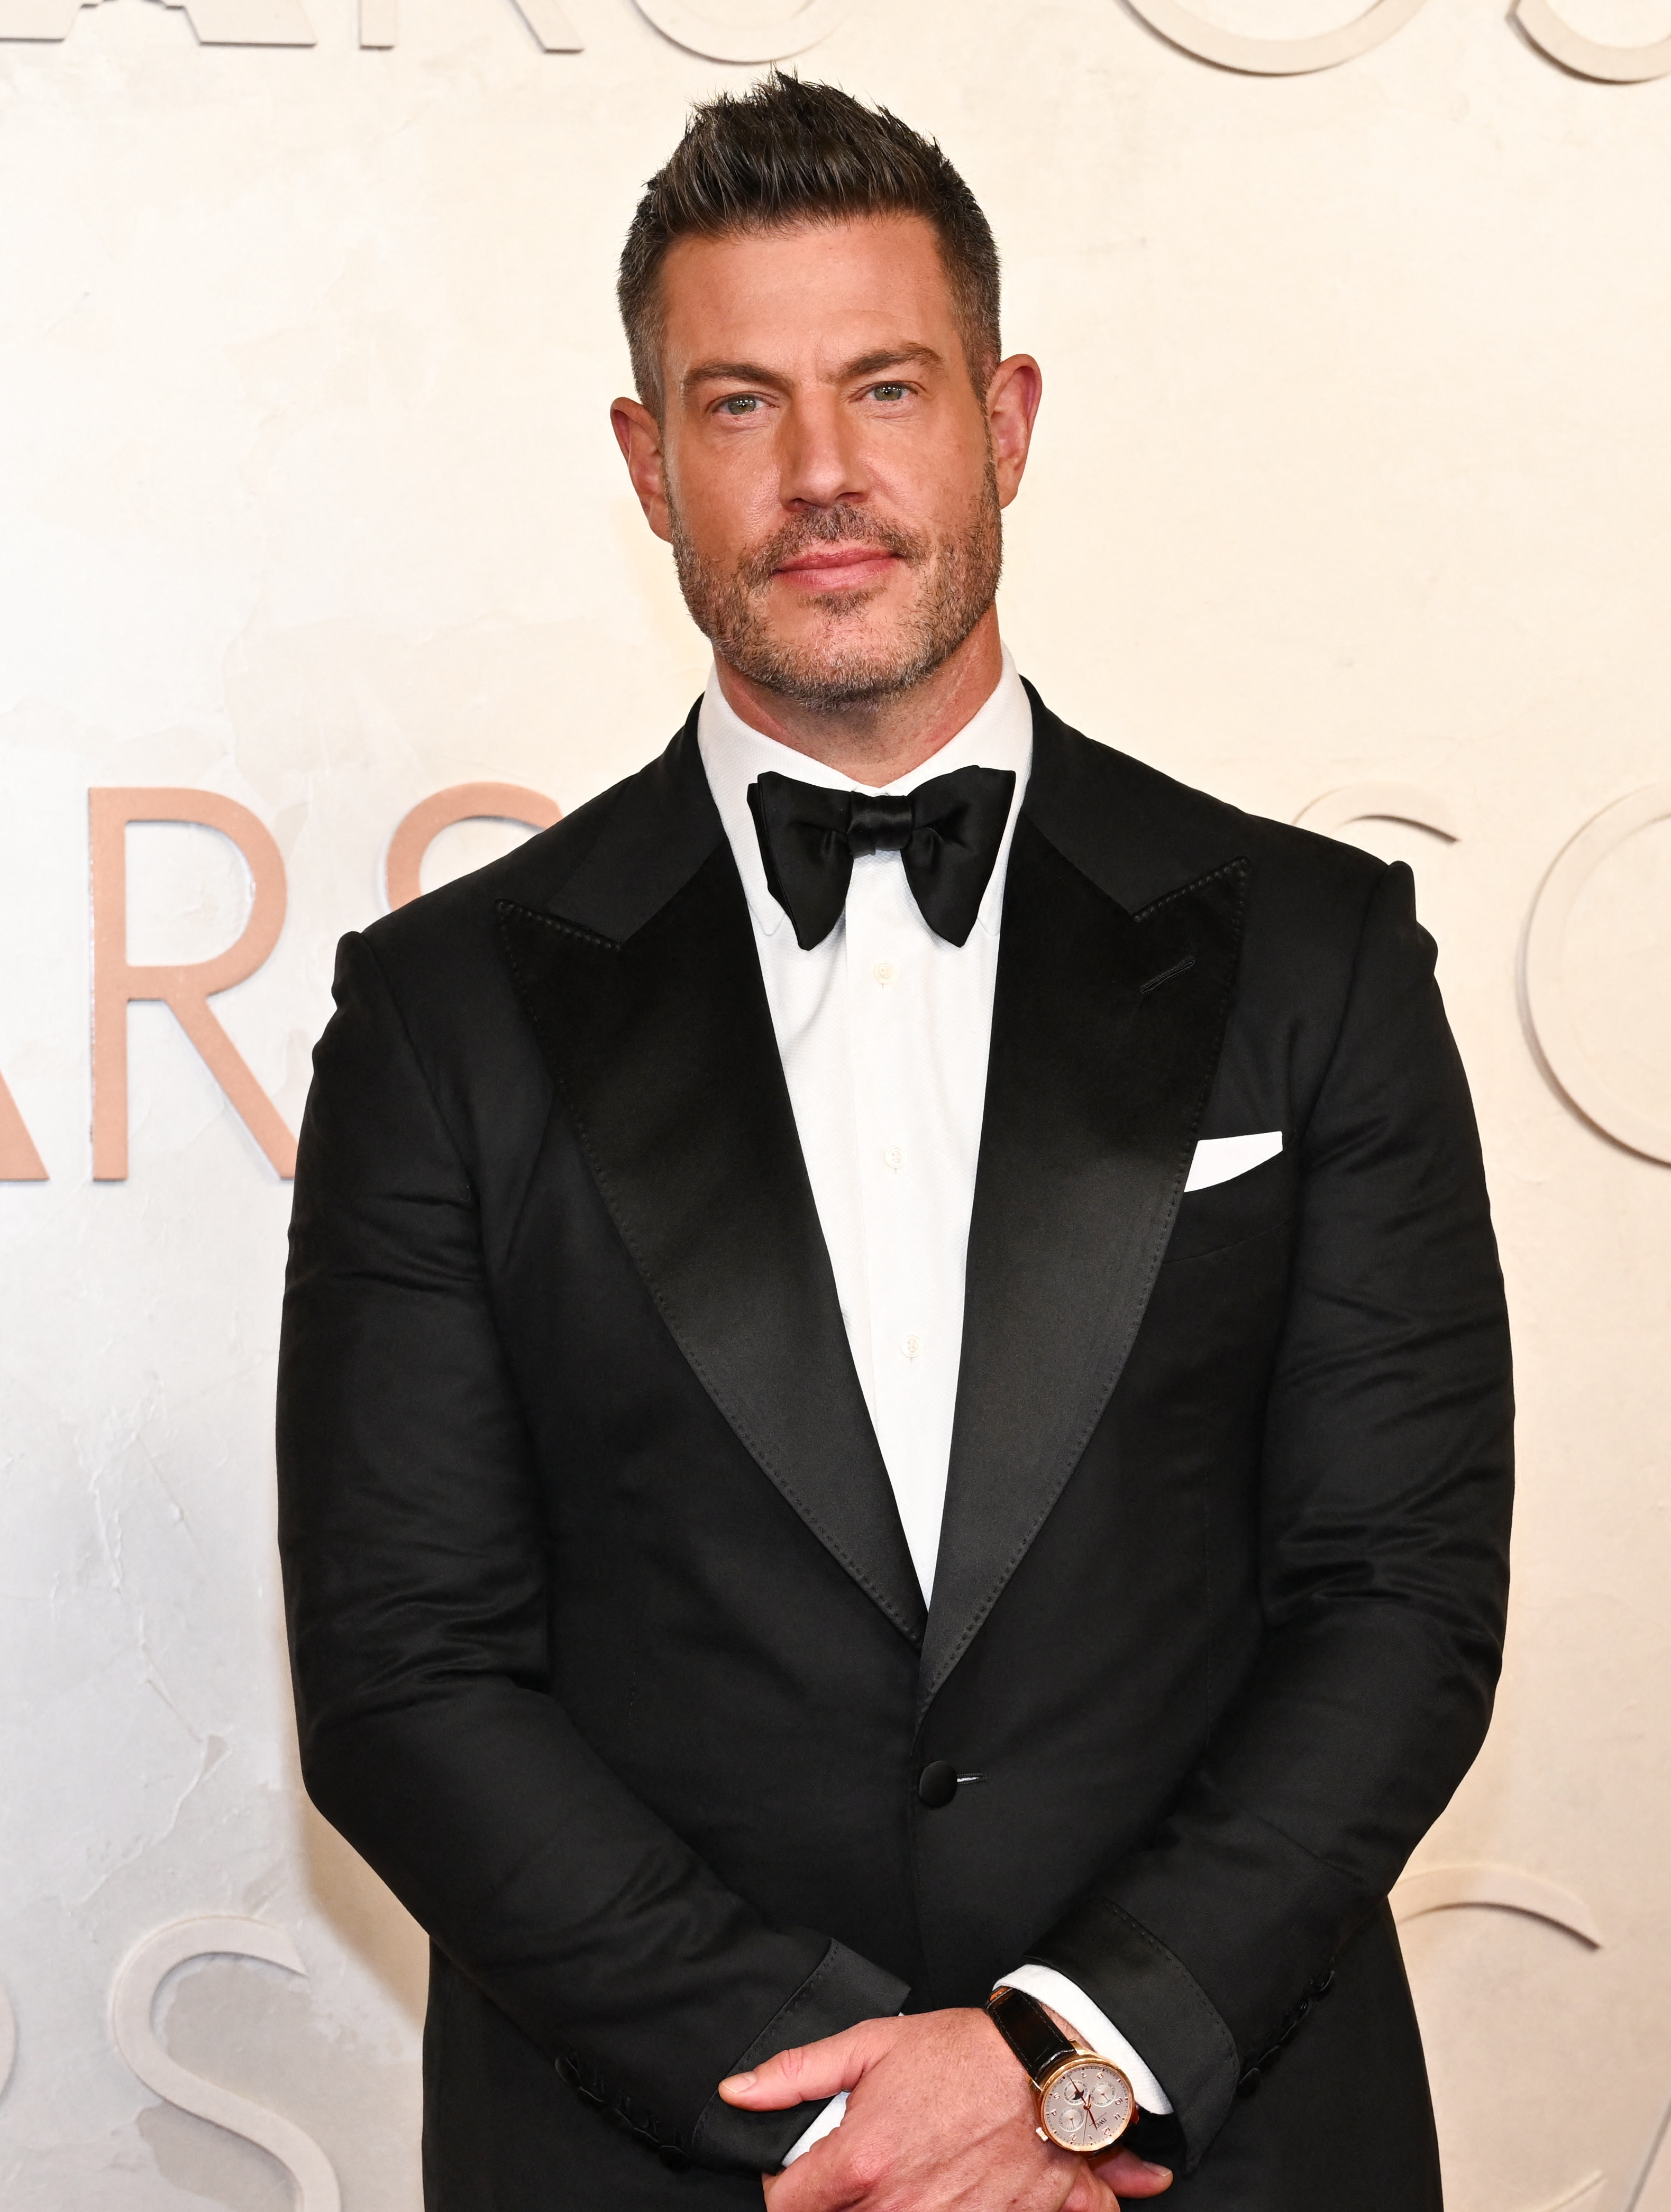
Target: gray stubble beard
[(962, 572)]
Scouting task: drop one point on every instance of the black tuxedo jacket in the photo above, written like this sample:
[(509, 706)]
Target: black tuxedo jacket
[(608, 1652)]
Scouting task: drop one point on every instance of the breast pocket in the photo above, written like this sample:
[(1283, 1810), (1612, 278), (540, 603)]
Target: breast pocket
[(1229, 1201)]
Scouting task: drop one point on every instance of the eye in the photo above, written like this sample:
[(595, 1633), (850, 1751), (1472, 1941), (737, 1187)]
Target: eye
[(887, 393), (740, 404)]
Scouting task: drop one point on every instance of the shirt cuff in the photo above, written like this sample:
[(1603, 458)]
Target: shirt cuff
[(827, 2123), (1088, 2023)]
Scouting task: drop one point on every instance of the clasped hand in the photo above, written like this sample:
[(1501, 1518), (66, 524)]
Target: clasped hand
[(940, 2118)]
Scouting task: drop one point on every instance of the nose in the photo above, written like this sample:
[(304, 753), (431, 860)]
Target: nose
[(822, 465)]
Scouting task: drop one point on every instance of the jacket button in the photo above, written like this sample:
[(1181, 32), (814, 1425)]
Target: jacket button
[(936, 1785)]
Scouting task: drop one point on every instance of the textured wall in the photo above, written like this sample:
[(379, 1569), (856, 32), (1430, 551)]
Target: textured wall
[(1353, 472)]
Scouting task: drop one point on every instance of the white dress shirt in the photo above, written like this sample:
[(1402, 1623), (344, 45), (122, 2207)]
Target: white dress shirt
[(884, 1030)]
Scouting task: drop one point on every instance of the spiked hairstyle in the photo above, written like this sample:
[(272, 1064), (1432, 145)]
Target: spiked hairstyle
[(786, 153)]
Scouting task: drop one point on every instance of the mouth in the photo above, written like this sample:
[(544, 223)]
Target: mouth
[(842, 568)]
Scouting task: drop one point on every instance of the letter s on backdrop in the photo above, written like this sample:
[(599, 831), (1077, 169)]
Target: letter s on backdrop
[(132, 2002)]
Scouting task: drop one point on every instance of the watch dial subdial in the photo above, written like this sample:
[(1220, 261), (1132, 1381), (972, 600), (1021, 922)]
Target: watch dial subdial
[(1088, 2107)]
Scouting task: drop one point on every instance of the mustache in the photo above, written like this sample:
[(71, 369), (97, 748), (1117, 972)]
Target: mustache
[(832, 526)]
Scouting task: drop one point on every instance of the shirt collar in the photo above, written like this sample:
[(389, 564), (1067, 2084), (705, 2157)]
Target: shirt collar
[(733, 754)]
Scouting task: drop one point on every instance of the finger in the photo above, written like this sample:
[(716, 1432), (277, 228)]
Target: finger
[(819, 2182), (810, 2070), (1130, 2176)]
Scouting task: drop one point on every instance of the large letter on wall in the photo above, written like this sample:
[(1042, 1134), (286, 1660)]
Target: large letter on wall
[(690, 26), (460, 802), (18, 1160), (130, 2005), (1543, 990), (247, 23), (217, 22), (1380, 802), (187, 987), (548, 23), (1588, 57), (38, 19), (1275, 56), (1653, 2189)]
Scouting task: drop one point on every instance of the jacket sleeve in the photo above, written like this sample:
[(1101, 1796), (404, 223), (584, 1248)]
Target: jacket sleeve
[(414, 1557), (1386, 1488)]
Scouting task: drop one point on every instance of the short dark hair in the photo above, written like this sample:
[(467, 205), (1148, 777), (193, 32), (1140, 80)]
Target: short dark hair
[(785, 153)]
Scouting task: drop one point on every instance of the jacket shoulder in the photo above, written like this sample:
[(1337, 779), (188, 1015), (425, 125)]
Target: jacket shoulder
[(1139, 834), (609, 865)]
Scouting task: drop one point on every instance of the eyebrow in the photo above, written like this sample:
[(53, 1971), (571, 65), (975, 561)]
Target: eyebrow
[(751, 371), (872, 364)]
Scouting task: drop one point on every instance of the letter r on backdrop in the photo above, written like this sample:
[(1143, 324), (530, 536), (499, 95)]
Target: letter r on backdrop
[(185, 987)]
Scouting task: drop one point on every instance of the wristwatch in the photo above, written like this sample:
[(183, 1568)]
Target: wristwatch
[(1085, 2103)]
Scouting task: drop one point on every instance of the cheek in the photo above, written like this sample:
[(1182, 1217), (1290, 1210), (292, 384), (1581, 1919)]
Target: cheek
[(725, 495), (935, 481)]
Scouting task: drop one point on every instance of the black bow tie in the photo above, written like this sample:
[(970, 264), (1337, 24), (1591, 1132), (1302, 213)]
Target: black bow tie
[(946, 832)]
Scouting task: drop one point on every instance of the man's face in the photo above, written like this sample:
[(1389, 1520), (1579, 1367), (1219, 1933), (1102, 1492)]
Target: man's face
[(825, 469)]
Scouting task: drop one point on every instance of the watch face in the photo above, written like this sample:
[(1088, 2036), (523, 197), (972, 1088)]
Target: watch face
[(1088, 2105)]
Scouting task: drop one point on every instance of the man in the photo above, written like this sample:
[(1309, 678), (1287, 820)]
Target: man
[(895, 1377)]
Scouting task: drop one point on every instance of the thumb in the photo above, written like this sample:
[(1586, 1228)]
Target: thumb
[(809, 2070), (1130, 2177)]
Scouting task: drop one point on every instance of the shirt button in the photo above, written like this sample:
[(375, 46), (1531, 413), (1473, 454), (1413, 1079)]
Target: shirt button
[(910, 1346), (884, 971), (893, 1158)]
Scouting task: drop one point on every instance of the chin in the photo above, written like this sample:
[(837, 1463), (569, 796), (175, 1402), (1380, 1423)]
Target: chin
[(834, 682), (849, 646), (846, 649)]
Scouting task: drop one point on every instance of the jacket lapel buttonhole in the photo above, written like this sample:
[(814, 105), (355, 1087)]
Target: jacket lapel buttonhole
[(1168, 975)]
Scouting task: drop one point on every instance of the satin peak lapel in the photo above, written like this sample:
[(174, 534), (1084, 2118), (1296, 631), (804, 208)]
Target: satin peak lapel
[(1105, 1031), (662, 1050)]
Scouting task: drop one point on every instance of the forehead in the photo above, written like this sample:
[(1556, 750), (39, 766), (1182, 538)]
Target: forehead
[(835, 288)]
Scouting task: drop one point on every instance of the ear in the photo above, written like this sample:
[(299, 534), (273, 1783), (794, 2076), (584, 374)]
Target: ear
[(1012, 404), (638, 434)]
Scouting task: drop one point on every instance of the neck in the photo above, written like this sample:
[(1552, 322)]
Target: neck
[(879, 740)]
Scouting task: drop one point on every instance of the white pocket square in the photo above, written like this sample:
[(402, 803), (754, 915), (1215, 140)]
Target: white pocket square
[(1219, 1158)]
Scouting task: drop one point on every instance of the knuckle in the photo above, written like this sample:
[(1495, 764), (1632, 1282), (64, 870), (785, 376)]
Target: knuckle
[(868, 2168)]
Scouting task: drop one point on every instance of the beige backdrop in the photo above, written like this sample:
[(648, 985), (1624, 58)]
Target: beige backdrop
[(1352, 473)]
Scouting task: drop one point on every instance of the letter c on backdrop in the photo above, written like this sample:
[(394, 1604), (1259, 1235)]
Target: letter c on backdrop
[(689, 25), (1548, 1018)]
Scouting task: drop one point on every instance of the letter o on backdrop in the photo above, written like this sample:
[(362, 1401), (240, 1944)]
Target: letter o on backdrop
[(1608, 65), (1231, 49), (460, 802), (1508, 1889), (1548, 1017), (1381, 802), (689, 25)]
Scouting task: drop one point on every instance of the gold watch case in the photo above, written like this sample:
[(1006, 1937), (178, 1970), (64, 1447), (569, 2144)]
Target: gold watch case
[(1085, 2104)]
